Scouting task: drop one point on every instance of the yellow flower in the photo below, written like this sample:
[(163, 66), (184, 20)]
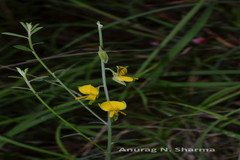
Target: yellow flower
[(90, 92), (114, 107), (120, 75)]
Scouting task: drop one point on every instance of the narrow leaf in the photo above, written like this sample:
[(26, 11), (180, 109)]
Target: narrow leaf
[(17, 77), (14, 34), (21, 88), (35, 26), (23, 48), (20, 71), (38, 43), (25, 70), (37, 29), (219, 94), (22, 145), (24, 25)]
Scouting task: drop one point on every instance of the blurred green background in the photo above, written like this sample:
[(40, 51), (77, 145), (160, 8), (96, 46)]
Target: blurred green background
[(187, 94)]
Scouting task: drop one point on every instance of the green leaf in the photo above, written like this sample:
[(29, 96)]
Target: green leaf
[(37, 29), (59, 142), (24, 25), (144, 99), (5, 139), (21, 88), (14, 34), (38, 43), (35, 26), (20, 71), (23, 48), (213, 124), (219, 94), (25, 70), (17, 77)]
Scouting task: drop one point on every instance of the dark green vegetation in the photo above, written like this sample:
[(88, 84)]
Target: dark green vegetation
[(187, 94)]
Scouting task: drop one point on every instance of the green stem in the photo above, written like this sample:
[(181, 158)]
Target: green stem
[(58, 80), (109, 144), (109, 138), (109, 119), (49, 108)]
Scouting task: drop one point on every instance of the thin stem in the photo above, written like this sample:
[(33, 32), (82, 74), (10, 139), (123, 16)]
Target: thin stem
[(109, 148), (100, 34), (58, 80), (109, 143), (104, 81), (49, 108)]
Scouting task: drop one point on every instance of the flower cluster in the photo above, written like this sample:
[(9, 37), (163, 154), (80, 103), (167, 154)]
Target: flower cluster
[(114, 107)]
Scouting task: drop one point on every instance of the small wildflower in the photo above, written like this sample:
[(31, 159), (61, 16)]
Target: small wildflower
[(199, 40), (120, 75), (90, 92), (114, 107)]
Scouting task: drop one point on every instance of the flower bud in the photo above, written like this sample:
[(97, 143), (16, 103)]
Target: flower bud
[(103, 55)]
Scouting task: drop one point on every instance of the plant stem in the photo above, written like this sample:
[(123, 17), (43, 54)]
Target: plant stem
[(109, 119), (58, 80), (109, 143)]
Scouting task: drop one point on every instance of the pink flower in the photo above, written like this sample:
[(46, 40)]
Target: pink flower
[(199, 40)]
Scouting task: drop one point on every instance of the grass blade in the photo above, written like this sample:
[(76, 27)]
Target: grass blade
[(181, 44), (4, 139)]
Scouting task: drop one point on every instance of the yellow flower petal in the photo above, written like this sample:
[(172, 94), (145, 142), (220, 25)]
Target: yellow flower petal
[(111, 114), (106, 106), (77, 98), (113, 106), (121, 70), (126, 79), (123, 113), (88, 89), (91, 97)]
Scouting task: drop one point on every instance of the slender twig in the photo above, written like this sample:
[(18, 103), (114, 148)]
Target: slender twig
[(106, 94)]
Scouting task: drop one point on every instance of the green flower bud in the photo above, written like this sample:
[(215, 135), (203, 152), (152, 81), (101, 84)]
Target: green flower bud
[(103, 55)]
